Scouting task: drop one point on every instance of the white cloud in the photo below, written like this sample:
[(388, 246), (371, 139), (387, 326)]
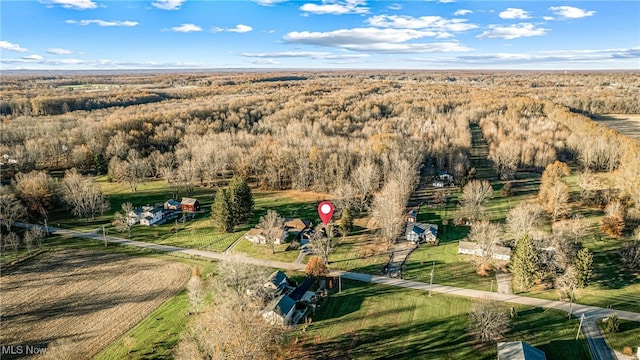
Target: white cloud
[(269, 2), (462, 12), (447, 1), (240, 28), (548, 18), (336, 7), (186, 28), (73, 4), (512, 31), (33, 57), (570, 12), (435, 23), (59, 51), (103, 22), (264, 62), (318, 55), (168, 4), (5, 45), (374, 40), (395, 6), (513, 13)]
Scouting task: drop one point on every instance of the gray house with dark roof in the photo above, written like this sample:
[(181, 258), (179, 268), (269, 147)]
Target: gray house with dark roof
[(418, 232), (277, 281), (519, 350), (280, 310)]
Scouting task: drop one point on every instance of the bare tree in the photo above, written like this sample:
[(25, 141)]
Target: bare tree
[(34, 235), (387, 211), (343, 196), (122, 220), (523, 218), (487, 235), (488, 320), (631, 252), (37, 190), (82, 195), (11, 209), (613, 221), (196, 291), (365, 179), (567, 282), (323, 242), (475, 196), (272, 226), (13, 240)]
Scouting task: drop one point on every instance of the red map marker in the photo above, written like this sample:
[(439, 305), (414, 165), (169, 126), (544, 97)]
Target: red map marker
[(325, 210)]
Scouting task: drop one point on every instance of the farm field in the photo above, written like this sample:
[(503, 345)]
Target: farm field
[(76, 302), (627, 124), (373, 321)]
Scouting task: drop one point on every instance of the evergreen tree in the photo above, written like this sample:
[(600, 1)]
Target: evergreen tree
[(524, 263), (221, 213), (241, 200), (584, 269), (346, 222)]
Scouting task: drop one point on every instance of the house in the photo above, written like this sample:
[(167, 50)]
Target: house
[(299, 293), (411, 216), (190, 205), (502, 253), (278, 281), (172, 205), (134, 216), (519, 350), (446, 177), (151, 215), (418, 232), (280, 310), (296, 225), (471, 248), (256, 236)]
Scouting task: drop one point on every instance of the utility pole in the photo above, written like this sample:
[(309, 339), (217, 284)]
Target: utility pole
[(104, 236), (339, 283), (573, 290), (433, 268), (46, 228), (491, 289), (580, 327)]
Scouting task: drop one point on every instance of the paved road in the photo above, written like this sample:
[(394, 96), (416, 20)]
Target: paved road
[(599, 348), (577, 309)]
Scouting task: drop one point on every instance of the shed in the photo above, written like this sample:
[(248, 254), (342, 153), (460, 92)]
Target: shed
[(172, 205), (519, 350), (190, 205)]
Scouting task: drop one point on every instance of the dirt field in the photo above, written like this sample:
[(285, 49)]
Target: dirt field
[(75, 302), (628, 124)]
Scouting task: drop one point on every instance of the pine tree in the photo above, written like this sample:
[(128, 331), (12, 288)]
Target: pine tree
[(346, 222), (241, 200), (583, 264), (221, 213), (524, 263)]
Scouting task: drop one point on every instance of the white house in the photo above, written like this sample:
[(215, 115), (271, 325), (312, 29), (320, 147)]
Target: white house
[(277, 281), (418, 232), (151, 215), (134, 216), (257, 236), (471, 248), (280, 310)]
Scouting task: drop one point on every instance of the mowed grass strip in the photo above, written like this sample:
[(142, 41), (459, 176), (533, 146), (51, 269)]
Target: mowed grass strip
[(374, 321)]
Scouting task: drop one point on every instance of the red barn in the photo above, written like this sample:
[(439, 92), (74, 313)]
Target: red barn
[(190, 205)]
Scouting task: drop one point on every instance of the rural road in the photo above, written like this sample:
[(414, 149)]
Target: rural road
[(590, 328), (577, 309)]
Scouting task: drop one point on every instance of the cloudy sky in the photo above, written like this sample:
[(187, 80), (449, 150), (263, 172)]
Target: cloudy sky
[(342, 34)]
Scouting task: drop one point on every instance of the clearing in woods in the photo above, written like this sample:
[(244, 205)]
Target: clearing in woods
[(74, 303), (627, 124)]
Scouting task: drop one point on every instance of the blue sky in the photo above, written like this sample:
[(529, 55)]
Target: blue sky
[(340, 34)]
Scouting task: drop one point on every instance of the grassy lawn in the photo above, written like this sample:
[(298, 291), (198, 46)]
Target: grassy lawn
[(628, 335), (361, 251), (262, 251), (155, 336), (373, 321)]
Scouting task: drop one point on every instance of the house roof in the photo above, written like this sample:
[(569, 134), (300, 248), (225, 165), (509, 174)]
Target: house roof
[(172, 202), (519, 350), (299, 292), (420, 228), (467, 245), (188, 201), (254, 232), (501, 250), (281, 305), (277, 278), (297, 223)]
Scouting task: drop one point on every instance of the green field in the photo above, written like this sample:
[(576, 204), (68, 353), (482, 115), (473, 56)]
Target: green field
[(374, 321), (628, 335)]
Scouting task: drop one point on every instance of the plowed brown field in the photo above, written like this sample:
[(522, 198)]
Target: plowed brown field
[(628, 124), (75, 302)]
